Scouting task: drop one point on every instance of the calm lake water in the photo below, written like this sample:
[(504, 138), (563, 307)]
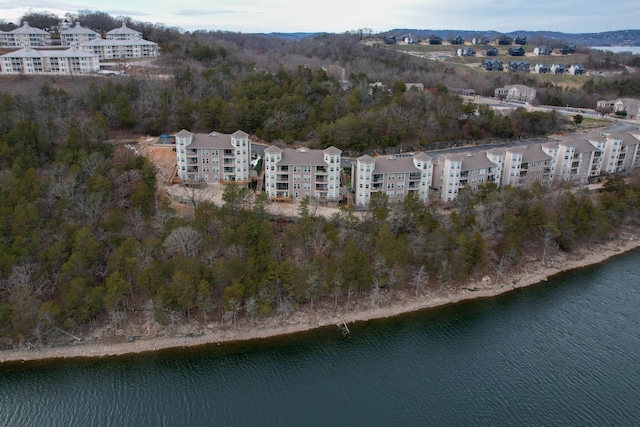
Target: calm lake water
[(563, 353), (615, 49)]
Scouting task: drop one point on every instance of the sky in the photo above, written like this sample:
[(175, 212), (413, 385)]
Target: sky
[(339, 16)]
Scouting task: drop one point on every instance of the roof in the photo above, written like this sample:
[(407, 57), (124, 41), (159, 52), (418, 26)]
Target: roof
[(366, 159), (272, 149), (28, 52), (27, 29), (302, 156), (210, 140), (476, 161), (534, 154), (77, 29), (111, 42), (122, 30), (332, 150), (395, 164)]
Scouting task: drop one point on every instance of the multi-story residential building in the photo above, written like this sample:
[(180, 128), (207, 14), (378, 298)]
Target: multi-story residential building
[(25, 36), (525, 165), (121, 49), (516, 93), (453, 172), (52, 62), (629, 105), (299, 173), (214, 157), (76, 35), (396, 176), (123, 33)]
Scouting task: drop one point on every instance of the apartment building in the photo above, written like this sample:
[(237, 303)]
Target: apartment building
[(123, 33), (70, 61), (453, 172), (77, 35), (121, 49), (525, 165), (299, 173), (516, 93), (396, 176), (214, 157), (25, 36)]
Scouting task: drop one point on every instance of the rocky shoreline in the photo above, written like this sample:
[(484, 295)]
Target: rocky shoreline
[(531, 274)]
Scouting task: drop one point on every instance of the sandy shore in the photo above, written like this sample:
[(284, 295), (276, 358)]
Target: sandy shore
[(533, 273)]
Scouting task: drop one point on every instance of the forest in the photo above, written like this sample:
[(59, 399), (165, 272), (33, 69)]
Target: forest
[(86, 238)]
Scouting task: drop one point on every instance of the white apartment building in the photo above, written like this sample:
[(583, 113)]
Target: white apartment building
[(453, 172), (214, 157), (299, 173), (123, 33), (516, 93), (77, 35), (121, 49), (25, 36), (70, 61), (525, 165), (396, 176)]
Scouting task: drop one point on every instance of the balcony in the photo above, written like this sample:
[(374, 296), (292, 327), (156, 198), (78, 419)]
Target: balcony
[(229, 161), (320, 187), (192, 161), (282, 186), (321, 169), (321, 178), (191, 152), (415, 176), (228, 153), (192, 169), (378, 178)]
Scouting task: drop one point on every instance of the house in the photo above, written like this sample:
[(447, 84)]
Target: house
[(213, 157), (466, 51), (520, 40), (396, 176), (504, 40), (568, 49), (479, 41), (389, 39), (576, 70), (491, 51), (435, 40), (76, 35), (492, 65), (629, 105), (456, 40), (71, 61), (299, 173), (409, 39), (25, 36), (123, 33), (414, 86), (516, 93), (542, 50), (557, 69), (516, 51), (519, 66), (541, 68)]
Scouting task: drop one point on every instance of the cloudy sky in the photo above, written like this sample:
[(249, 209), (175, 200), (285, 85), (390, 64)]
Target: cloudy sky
[(338, 16)]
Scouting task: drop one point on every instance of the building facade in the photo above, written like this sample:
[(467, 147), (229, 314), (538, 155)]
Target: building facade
[(214, 157), (77, 35), (70, 61), (25, 36), (121, 49), (395, 176), (299, 173)]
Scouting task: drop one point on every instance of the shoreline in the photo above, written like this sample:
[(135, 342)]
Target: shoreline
[(293, 324)]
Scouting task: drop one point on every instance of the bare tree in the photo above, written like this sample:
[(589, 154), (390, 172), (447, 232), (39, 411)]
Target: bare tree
[(185, 239), (420, 279)]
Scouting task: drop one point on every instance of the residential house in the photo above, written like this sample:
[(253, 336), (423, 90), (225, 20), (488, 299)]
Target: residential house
[(69, 61), (409, 39), (516, 51), (492, 65), (504, 40), (435, 40), (389, 39), (576, 70), (76, 35), (396, 176), (516, 93), (519, 66), (557, 69), (629, 105), (25, 36), (456, 40), (542, 50), (491, 51), (568, 49), (414, 86), (299, 173), (480, 41), (542, 68), (213, 157), (520, 40), (466, 51)]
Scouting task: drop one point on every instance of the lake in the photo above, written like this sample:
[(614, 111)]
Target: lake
[(565, 353)]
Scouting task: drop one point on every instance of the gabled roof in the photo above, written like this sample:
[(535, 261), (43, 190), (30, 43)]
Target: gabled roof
[(272, 149), (395, 164), (332, 151), (77, 29), (366, 159), (302, 156), (71, 52), (26, 29), (122, 30)]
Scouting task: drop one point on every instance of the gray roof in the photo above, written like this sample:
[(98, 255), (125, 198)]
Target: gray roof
[(332, 150), (213, 140), (26, 29), (534, 154), (393, 164), (105, 42), (302, 156), (476, 161), (366, 159), (273, 150), (78, 30), (28, 52), (123, 30)]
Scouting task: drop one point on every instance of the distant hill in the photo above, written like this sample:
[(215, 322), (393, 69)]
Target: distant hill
[(608, 38)]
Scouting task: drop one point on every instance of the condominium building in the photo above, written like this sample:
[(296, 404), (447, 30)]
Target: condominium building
[(396, 176), (453, 172), (516, 93), (121, 49), (77, 35), (25, 36), (123, 33), (51, 62), (214, 157), (299, 173)]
